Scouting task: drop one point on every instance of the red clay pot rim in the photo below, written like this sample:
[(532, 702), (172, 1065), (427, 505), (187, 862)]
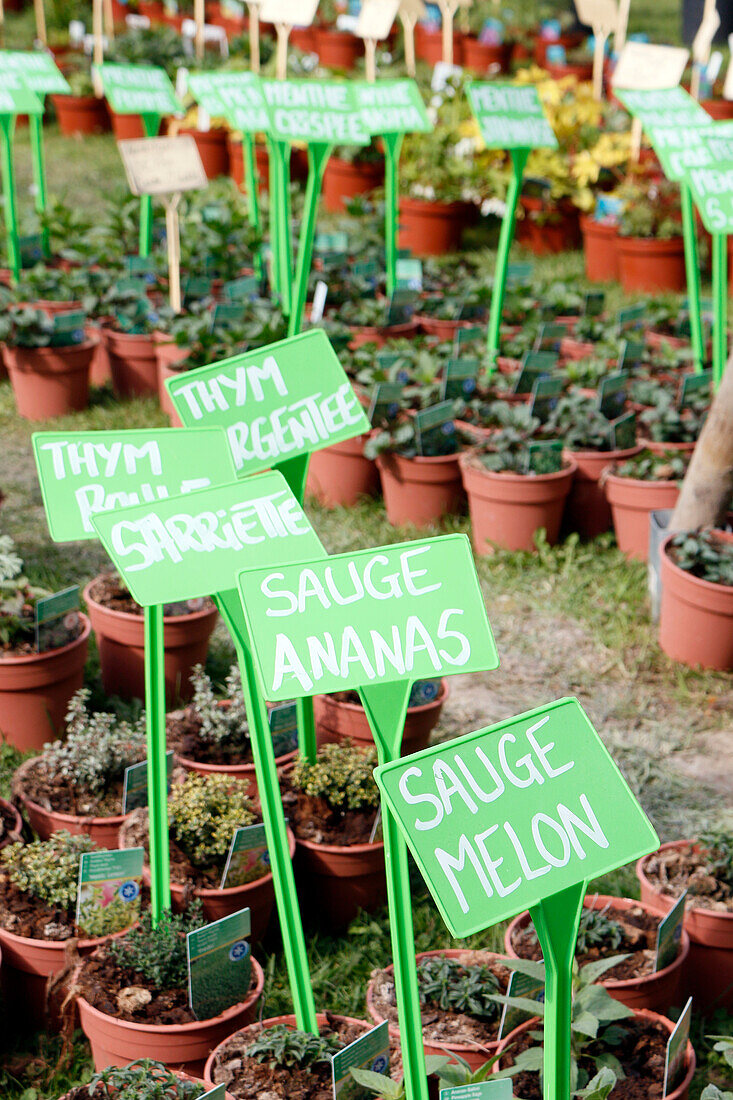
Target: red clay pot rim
[(494, 475), (230, 769), (637, 481), (115, 819), (48, 350), (420, 460), (641, 874), (356, 849), (620, 983), (31, 658), (194, 1025), (696, 582), (214, 891), (60, 944), (440, 698), (15, 831), (628, 452), (189, 616)]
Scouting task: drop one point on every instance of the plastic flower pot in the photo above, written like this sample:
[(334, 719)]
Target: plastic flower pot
[(213, 150), (337, 49), (557, 230), (102, 830), (340, 475), (126, 127), (649, 265), (508, 509), (657, 991), (482, 57), (35, 691), (632, 501), (81, 114), (719, 109), (344, 180), (658, 448), (441, 327), (183, 1046), (380, 334), (420, 490), (710, 970), (120, 640), (13, 823), (600, 247), (582, 70), (429, 45), (132, 361), (337, 720), (50, 381), (431, 228), (587, 511), (167, 354), (696, 619), (570, 41), (338, 880)]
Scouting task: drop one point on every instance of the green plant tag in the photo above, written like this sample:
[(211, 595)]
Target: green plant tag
[(544, 457), (612, 393), (84, 473), (68, 328), (366, 269), (631, 354), (248, 287), (196, 286), (409, 274), (676, 1047), (57, 619), (545, 395), (385, 402), (520, 985), (712, 190), (37, 69), (510, 116), (219, 965), (430, 424), (408, 612), (631, 316), (318, 111), (284, 728), (273, 409), (237, 97), (401, 305), (459, 379), (519, 274), (593, 303), (550, 337), (392, 107), (482, 1090), (218, 1092), (693, 385), (326, 243), (31, 249), (167, 551), (663, 106), (669, 934), (138, 89), (110, 884), (16, 98), (132, 282), (387, 359), (248, 857), (140, 265), (622, 432), (470, 812), (227, 314), (369, 1051), (535, 364), (135, 789), (467, 335)]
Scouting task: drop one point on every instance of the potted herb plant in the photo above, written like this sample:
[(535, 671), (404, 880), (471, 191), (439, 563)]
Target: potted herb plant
[(119, 629), (142, 1079), (669, 428), (49, 370), (35, 687), (642, 484), (77, 784), (696, 618), (651, 250), (81, 112), (54, 289), (369, 321), (341, 716), (128, 337), (332, 807), (703, 867), (132, 995), (487, 48), (336, 49)]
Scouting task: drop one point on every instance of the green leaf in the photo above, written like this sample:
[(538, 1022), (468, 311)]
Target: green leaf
[(378, 1083), (526, 966), (534, 1008), (586, 1023), (592, 972), (600, 1086), (529, 1061), (599, 1002)]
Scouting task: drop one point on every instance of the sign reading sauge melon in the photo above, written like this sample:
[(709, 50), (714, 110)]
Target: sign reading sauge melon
[(138, 89), (510, 116), (408, 612), (504, 817), (287, 399), (314, 111), (392, 107), (237, 97)]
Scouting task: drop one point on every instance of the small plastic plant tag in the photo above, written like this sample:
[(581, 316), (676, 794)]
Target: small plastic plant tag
[(226, 315), (676, 1047), (544, 457), (31, 249), (431, 425), (138, 89), (545, 396), (219, 965), (622, 432), (510, 116), (520, 985), (244, 289), (217, 1093), (695, 385), (550, 336), (593, 303), (401, 305), (57, 619), (631, 316), (459, 379), (612, 393), (68, 328), (385, 402), (467, 335), (669, 934), (369, 1051), (482, 1090), (711, 190), (108, 898), (535, 364), (631, 354), (409, 274), (135, 789), (248, 857)]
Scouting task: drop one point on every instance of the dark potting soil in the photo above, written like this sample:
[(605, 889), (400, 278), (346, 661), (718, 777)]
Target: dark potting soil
[(641, 1053), (183, 730), (81, 1092), (246, 1078), (439, 1025), (55, 792), (126, 995), (26, 916), (313, 819), (639, 942), (675, 870), (109, 591), (7, 825)]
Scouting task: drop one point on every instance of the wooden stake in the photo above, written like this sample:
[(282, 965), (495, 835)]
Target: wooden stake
[(408, 27), (636, 134), (109, 20), (254, 35), (370, 49), (2, 23), (174, 250), (619, 39), (40, 21), (199, 16), (283, 34), (98, 33), (600, 37), (448, 9)]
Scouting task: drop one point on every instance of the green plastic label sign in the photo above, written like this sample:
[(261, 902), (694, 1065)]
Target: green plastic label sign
[(283, 721), (110, 884), (676, 1049), (287, 399), (138, 89), (323, 111), (482, 1090), (248, 857), (501, 818), (57, 619), (16, 98), (520, 985), (369, 1051), (219, 965), (510, 116), (392, 107), (85, 473), (135, 787), (408, 612), (664, 107), (669, 934), (189, 546), (37, 69), (237, 97), (217, 1093), (712, 190)]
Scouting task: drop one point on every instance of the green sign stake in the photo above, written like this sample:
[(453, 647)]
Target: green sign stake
[(520, 815), (15, 99), (170, 550), (512, 118), (376, 620)]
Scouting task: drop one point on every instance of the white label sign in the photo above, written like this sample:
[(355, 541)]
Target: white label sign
[(296, 13), (376, 18), (162, 165), (645, 67)]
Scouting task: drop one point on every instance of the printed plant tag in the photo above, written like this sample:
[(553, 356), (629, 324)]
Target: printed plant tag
[(520, 985), (409, 274), (108, 899), (623, 432), (550, 336), (510, 116), (219, 1091), (544, 457), (68, 328), (432, 423), (135, 790), (57, 619), (37, 69), (467, 335), (31, 249), (369, 1051), (674, 1061), (163, 165), (386, 402), (669, 934), (138, 89), (612, 393), (631, 316), (219, 965), (631, 355), (535, 364), (459, 379), (695, 385), (646, 67), (545, 396), (482, 1090), (248, 857), (401, 306), (392, 107), (593, 303), (283, 728)]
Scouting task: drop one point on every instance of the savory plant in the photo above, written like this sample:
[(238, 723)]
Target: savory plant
[(703, 554), (666, 422), (204, 811), (22, 327), (17, 598), (342, 775), (143, 1079), (158, 954), (220, 725), (458, 987), (284, 1046), (48, 870)]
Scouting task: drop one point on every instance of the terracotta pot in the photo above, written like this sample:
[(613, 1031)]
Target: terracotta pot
[(344, 180), (126, 127), (658, 448), (570, 348), (236, 159), (379, 335), (15, 828), (167, 353), (710, 970), (587, 511), (337, 881), (649, 265), (696, 619), (482, 57), (476, 1057), (658, 991), (120, 640), (570, 41), (153, 9), (560, 232), (51, 308), (132, 362), (185, 1046), (509, 509), (445, 330), (339, 475), (336, 720), (429, 45), (245, 773), (632, 502), (303, 38), (600, 243), (81, 114), (431, 228), (102, 830), (420, 490), (337, 49), (719, 109), (582, 71), (213, 150), (49, 381), (35, 691)]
